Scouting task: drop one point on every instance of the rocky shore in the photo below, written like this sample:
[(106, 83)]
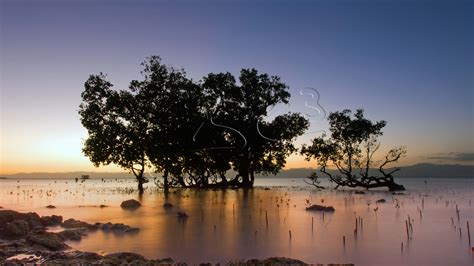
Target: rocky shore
[(25, 239)]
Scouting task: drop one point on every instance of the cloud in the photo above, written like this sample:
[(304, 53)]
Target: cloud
[(453, 156)]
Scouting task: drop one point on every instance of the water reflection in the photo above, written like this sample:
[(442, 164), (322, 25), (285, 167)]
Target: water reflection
[(225, 225)]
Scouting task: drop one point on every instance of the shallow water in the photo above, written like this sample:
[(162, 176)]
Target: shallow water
[(231, 224)]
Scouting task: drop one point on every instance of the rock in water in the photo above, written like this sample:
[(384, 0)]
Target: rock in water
[(275, 261), (71, 223), (75, 234), (130, 204), (168, 205), (117, 228), (51, 207), (321, 208), (51, 220), (381, 201), (182, 215)]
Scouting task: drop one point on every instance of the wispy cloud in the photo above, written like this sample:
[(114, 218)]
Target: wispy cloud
[(453, 156)]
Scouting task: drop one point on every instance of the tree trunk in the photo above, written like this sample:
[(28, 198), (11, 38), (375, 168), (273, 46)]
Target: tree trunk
[(244, 173), (166, 184), (141, 181), (224, 179), (245, 179), (392, 186)]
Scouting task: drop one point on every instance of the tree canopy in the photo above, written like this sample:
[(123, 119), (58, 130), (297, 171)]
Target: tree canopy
[(191, 132)]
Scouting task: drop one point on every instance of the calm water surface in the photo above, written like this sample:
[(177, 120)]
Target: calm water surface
[(226, 225)]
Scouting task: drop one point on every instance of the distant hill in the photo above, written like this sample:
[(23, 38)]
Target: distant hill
[(425, 170), (422, 170)]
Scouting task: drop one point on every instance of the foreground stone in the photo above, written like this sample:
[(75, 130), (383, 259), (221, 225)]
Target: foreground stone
[(320, 208), (20, 232), (17, 228), (8, 216), (167, 205), (270, 261), (24, 240), (130, 204), (117, 228), (75, 234), (51, 220), (72, 223), (81, 258), (123, 258), (47, 239)]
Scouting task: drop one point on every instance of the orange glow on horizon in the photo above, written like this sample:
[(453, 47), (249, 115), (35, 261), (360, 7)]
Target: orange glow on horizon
[(61, 163)]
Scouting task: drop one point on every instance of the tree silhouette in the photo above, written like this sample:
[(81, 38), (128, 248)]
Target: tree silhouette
[(350, 148), (261, 146), (117, 130), (191, 132)]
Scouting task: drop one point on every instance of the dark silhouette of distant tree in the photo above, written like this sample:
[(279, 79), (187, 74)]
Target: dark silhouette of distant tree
[(350, 148), (117, 130), (191, 132)]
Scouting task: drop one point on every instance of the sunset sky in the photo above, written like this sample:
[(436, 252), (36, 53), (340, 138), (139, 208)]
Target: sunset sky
[(408, 62)]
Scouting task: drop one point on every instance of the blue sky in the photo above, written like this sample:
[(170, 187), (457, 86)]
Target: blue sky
[(408, 62)]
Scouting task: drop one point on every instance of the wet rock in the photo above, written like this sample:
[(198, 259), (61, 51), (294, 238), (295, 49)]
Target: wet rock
[(88, 256), (276, 261), (117, 228), (51, 220), (130, 204), (182, 215), (33, 219), (168, 205), (72, 223), (165, 261), (75, 234), (317, 207), (73, 258), (123, 257), (381, 201), (103, 206), (47, 239), (17, 228), (51, 207), (23, 259)]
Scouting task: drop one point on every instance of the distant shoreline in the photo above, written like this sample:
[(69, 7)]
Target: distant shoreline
[(423, 170), (264, 177)]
